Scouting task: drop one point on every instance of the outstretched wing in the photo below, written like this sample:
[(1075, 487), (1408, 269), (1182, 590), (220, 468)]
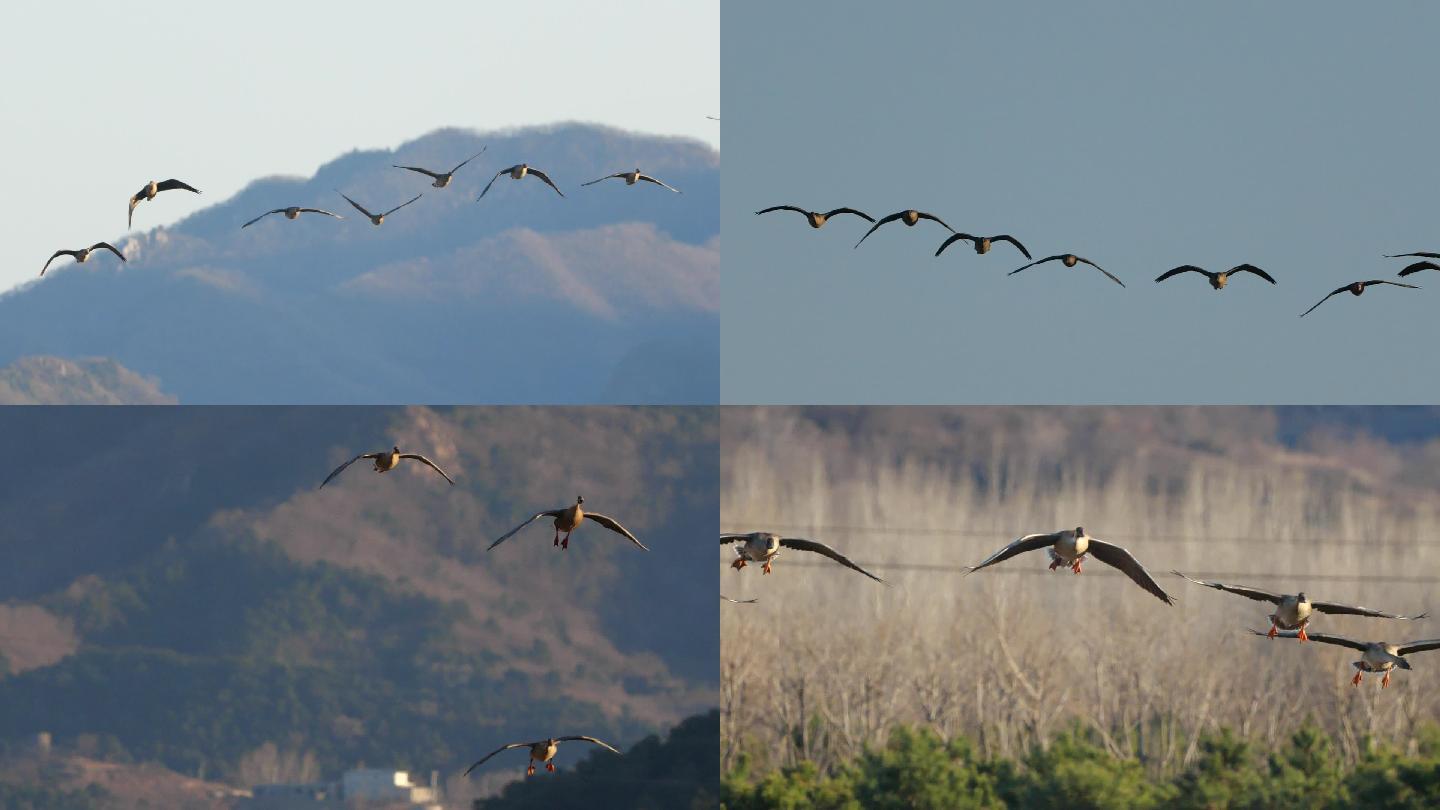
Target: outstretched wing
[(606, 177), (1029, 542), (731, 538), (342, 467), (467, 160), (1101, 269), (1184, 268), (1005, 237), (1240, 590), (71, 253), (1391, 283), (950, 240), (1117, 557), (934, 218), (1339, 641), (172, 184), (1417, 646), (402, 205), (650, 179), (417, 169), (1356, 610), (427, 462), (358, 206), (486, 190), (548, 182), (262, 216), (739, 601), (614, 525), (1419, 254), (320, 211), (1032, 264), (1250, 268), (821, 548), (582, 737), (481, 761), (1323, 300), (109, 247), (1418, 266), (877, 225), (782, 208), (532, 519)]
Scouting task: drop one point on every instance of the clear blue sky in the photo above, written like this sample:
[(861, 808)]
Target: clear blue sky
[(1302, 137), (103, 97)]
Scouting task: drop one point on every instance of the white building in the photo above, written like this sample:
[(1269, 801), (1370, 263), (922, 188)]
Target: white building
[(365, 787)]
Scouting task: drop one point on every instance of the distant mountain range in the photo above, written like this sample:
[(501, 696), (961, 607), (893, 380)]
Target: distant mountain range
[(87, 381), (610, 294)]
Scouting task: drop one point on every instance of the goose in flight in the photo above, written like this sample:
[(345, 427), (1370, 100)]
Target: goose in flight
[(1375, 656), (1070, 260), (982, 244), (82, 254), (1417, 267), (516, 172), (1070, 547), (1217, 280), (764, 547), (631, 178), (541, 751), (1357, 288), (1293, 611), (567, 519), (385, 461), (816, 218), (376, 219), (149, 191), (293, 212), (909, 216), (442, 179)]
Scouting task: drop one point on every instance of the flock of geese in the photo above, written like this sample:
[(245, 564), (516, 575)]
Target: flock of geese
[(566, 519), (982, 245), (1069, 548), (438, 180)]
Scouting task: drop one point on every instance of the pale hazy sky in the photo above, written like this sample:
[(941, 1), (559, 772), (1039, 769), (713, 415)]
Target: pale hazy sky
[(102, 97)]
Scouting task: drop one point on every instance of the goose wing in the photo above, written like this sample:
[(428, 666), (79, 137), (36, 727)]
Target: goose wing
[(548, 181), (1184, 268), (782, 208), (1005, 237), (1249, 593), (482, 760), (614, 525), (428, 463), (172, 184), (1250, 268), (1355, 610), (402, 205), (952, 239), (1417, 646), (1101, 269), (486, 190), (1418, 266), (1038, 261), (739, 601), (1374, 281), (467, 160), (1323, 300), (71, 253), (1339, 641), (320, 211), (843, 210), (1419, 254), (602, 179), (418, 169), (342, 467), (262, 216), (109, 247), (822, 549), (531, 519), (657, 182), (1117, 557), (1029, 542), (731, 538), (583, 738), (877, 225), (358, 206), (934, 218)]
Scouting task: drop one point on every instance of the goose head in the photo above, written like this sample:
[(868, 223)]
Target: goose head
[(1070, 259), (579, 499)]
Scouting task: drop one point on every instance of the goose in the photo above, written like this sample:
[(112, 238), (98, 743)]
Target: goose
[(541, 751), (150, 189), (569, 518), (739, 601), (1375, 656), (1294, 610), (1069, 548), (1217, 280), (82, 254), (1417, 267), (1357, 288), (442, 179), (385, 461), (764, 547), (631, 178), (293, 212), (376, 219), (516, 172), (982, 244), (909, 216), (816, 218), (1070, 260)]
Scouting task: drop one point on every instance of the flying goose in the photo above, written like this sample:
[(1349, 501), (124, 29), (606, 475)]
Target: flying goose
[(1418, 266), (982, 243), (82, 254), (442, 179), (385, 461), (1070, 260), (1294, 610), (1069, 548), (816, 218), (909, 216), (293, 212), (1217, 280), (376, 219), (1375, 656), (764, 547), (149, 191), (631, 178), (1357, 288), (567, 519), (541, 751), (516, 172)]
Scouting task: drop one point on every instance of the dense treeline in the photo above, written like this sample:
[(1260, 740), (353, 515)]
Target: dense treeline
[(918, 770)]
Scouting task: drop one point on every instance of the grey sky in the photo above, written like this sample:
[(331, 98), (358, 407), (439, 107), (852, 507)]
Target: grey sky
[(103, 97), (1297, 136)]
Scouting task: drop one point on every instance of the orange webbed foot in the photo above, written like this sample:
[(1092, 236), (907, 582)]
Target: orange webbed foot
[(1273, 631), (530, 771), (766, 567), (1385, 681), (550, 766), (1302, 635), (1358, 676), (738, 564), (564, 544)]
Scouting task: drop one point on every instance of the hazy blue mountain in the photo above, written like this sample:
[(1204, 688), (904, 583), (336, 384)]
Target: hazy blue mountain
[(610, 294), (87, 381)]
